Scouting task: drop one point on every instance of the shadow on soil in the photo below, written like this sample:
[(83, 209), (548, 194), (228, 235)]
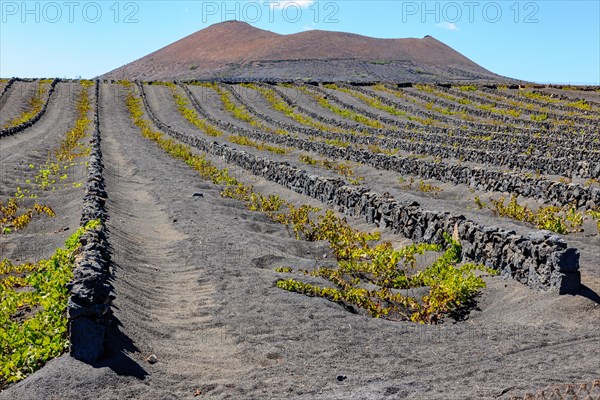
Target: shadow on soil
[(118, 345), (116, 358), (588, 293)]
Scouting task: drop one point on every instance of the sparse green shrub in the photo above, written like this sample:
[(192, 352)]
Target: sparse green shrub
[(595, 215), (546, 217), (581, 104), (539, 96), (36, 103), (539, 117), (451, 286), (429, 188), (245, 141), (33, 322), (480, 203), (342, 168)]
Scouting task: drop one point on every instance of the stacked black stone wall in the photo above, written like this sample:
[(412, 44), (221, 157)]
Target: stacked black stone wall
[(89, 305)]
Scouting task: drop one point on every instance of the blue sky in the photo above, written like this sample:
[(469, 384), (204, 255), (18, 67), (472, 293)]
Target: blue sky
[(541, 41)]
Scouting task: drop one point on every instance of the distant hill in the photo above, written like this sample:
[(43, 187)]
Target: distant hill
[(235, 50)]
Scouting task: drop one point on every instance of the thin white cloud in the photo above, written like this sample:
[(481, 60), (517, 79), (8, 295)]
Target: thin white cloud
[(310, 27), (280, 4), (451, 26)]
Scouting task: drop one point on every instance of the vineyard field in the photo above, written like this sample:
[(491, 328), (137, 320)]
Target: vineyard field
[(191, 239)]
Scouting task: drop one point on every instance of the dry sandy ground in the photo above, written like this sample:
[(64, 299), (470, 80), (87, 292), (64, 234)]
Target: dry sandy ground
[(194, 286), (16, 100), (31, 146)]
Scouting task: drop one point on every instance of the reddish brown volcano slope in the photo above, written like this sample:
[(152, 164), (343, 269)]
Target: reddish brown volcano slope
[(236, 50)]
